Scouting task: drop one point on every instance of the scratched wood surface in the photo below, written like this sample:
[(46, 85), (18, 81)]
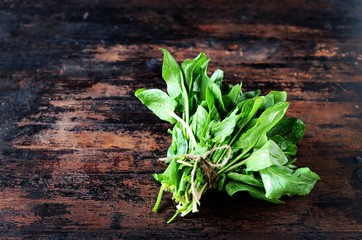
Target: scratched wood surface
[(77, 150)]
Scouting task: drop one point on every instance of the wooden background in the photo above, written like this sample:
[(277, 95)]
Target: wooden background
[(77, 149)]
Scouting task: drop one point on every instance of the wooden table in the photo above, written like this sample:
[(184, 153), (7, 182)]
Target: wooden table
[(78, 149)]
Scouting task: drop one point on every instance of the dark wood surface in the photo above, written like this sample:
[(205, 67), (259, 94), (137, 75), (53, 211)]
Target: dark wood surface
[(77, 150)]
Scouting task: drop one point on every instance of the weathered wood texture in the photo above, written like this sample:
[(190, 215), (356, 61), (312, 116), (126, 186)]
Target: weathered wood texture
[(78, 150)]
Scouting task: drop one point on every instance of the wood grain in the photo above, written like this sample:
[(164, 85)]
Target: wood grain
[(77, 150)]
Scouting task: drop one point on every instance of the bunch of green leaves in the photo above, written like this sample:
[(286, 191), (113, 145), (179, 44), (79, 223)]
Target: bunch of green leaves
[(224, 139)]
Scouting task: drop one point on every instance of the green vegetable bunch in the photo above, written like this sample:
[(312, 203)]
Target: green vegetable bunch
[(223, 138)]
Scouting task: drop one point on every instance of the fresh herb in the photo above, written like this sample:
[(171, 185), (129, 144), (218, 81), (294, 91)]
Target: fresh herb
[(224, 139)]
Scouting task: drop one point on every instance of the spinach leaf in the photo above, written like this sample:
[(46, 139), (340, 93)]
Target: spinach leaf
[(279, 96), (245, 178), (233, 187), (267, 120), (199, 122), (208, 85), (179, 143), (251, 94), (268, 155), (172, 74), (280, 180), (193, 68), (274, 97), (158, 102), (223, 129), (290, 129), (170, 177), (217, 76), (233, 97), (289, 148)]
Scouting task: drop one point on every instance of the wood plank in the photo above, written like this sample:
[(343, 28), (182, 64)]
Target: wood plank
[(77, 149)]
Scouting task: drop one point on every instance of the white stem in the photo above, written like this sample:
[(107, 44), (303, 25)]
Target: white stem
[(184, 163), (186, 98), (193, 188), (186, 126)]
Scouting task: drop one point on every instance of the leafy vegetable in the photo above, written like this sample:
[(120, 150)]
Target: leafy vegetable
[(159, 102), (224, 139)]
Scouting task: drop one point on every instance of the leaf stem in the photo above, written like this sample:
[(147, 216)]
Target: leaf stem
[(235, 166), (232, 164), (174, 216), (184, 163), (186, 126), (186, 98), (158, 201)]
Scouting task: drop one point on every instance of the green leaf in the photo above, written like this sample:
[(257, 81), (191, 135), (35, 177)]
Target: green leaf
[(248, 110), (251, 94), (280, 180), (158, 102), (221, 182), (208, 84), (289, 148), (222, 130), (209, 97), (245, 121), (179, 144), (245, 178), (267, 120), (213, 114), (217, 76), (233, 187), (199, 122), (290, 129), (268, 155), (192, 69), (232, 98), (268, 101), (172, 74), (279, 96), (170, 177), (184, 184), (274, 97)]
